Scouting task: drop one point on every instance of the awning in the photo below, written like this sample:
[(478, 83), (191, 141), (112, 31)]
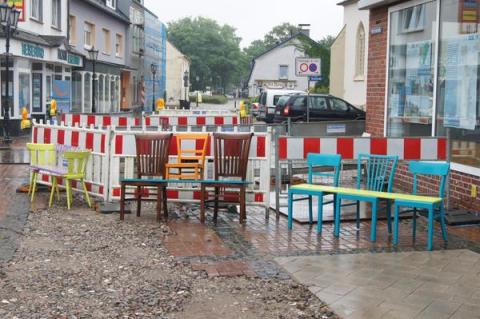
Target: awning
[(370, 4)]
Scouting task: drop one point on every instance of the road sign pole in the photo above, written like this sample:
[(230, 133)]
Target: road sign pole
[(308, 100)]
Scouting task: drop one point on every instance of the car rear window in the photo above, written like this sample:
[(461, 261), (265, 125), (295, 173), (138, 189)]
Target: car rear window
[(276, 98)]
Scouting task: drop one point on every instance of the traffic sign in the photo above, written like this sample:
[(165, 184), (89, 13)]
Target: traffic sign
[(316, 78), (307, 67)]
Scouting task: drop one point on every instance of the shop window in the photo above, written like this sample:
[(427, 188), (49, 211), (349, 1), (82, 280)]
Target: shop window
[(37, 67), (36, 10), (76, 92), (48, 90), (458, 84), (87, 87), (360, 53), (89, 35), (72, 31), (37, 87), (107, 42), (24, 94), (118, 45), (56, 13), (410, 72)]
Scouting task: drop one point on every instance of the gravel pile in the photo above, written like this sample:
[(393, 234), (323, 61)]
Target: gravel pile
[(80, 264)]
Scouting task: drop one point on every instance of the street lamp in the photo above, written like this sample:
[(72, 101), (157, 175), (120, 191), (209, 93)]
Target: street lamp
[(93, 55), (153, 68), (9, 21), (185, 84)]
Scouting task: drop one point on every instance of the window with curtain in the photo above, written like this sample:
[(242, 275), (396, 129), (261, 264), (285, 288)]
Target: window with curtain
[(56, 13), (76, 92), (73, 29), (360, 53), (89, 35), (36, 10)]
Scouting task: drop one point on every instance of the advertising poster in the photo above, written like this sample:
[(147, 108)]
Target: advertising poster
[(19, 5), (61, 94), (37, 92), (461, 73)]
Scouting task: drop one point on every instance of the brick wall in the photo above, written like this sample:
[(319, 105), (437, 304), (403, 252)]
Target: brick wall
[(377, 57), (460, 183)]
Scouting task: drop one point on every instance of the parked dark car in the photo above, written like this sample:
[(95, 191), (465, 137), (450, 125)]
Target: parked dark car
[(323, 107)]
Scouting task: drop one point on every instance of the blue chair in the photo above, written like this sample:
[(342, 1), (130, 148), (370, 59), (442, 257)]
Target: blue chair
[(326, 162), (435, 211), (379, 173)]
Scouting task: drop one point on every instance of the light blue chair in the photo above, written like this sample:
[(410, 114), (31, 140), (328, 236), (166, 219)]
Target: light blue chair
[(326, 162), (379, 174), (435, 211)]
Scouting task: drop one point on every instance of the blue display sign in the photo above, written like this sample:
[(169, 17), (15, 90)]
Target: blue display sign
[(61, 94)]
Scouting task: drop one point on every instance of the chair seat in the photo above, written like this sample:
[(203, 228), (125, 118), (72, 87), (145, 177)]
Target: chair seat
[(51, 169), (183, 165)]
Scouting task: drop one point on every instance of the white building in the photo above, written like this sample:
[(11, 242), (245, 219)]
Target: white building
[(275, 68), (177, 64), (349, 52)]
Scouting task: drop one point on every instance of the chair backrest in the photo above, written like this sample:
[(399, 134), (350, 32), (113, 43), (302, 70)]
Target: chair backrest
[(77, 162), (231, 152), (152, 154), (440, 169), (324, 160), (42, 154), (187, 147), (379, 171)]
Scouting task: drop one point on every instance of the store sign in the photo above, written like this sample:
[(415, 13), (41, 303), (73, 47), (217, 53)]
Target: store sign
[(70, 58), (32, 50)]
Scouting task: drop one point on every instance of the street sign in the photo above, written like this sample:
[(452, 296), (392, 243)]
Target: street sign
[(307, 67), (316, 78)]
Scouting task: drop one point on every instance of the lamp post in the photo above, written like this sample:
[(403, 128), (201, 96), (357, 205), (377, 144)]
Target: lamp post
[(9, 21), (153, 68), (93, 55), (185, 84)]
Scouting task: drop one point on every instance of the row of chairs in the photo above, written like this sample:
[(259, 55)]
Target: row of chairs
[(376, 173)]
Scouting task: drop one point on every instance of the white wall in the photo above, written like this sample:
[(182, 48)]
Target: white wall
[(176, 66), (354, 89), (45, 27), (267, 67)]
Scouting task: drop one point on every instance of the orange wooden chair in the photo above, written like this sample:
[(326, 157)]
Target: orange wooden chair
[(190, 158)]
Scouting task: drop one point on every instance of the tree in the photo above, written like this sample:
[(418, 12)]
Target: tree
[(279, 34), (214, 51)]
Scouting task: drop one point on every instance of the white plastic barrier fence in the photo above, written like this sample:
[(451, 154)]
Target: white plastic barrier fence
[(96, 140), (122, 165), (100, 120), (195, 111)]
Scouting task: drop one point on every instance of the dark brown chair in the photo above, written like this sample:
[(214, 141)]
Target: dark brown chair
[(230, 169), (152, 155)]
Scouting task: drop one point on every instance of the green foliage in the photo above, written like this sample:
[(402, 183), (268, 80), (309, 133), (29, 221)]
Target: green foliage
[(279, 34), (213, 49)]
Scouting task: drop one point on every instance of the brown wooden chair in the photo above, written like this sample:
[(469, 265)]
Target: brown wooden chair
[(152, 155), (231, 152)]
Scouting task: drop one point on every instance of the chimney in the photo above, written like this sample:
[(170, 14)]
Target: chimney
[(305, 29)]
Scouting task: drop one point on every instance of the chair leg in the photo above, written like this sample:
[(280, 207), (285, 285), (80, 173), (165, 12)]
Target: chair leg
[(442, 222), (373, 235), (159, 203), (122, 202), (165, 206), (69, 191), (290, 210), (396, 212), (243, 211), (320, 213), (58, 192), (357, 215), (31, 183), (85, 192), (215, 204), (34, 186), (202, 203), (389, 216), (139, 200), (338, 205), (52, 191), (310, 210), (430, 229), (414, 224)]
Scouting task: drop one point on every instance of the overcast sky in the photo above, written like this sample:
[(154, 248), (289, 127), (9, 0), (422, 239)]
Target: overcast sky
[(254, 18)]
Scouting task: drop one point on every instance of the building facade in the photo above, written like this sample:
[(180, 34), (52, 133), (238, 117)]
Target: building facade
[(275, 68), (102, 26), (177, 65), (423, 80), (40, 58), (348, 66)]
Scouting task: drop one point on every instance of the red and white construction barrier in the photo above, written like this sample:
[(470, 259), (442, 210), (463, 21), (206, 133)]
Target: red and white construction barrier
[(412, 148), (184, 120), (100, 120), (98, 141)]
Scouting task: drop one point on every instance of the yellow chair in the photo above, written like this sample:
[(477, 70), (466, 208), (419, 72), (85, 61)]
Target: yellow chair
[(75, 170), (40, 155), (190, 162)]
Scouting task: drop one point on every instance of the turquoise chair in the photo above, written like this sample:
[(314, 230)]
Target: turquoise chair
[(435, 211), (313, 161), (379, 173)]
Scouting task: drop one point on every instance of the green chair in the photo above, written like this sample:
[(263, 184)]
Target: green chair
[(41, 155), (75, 171)]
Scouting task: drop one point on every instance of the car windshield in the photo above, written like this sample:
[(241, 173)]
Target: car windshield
[(282, 100)]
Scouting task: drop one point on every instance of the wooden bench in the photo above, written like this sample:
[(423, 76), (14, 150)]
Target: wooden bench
[(426, 202)]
